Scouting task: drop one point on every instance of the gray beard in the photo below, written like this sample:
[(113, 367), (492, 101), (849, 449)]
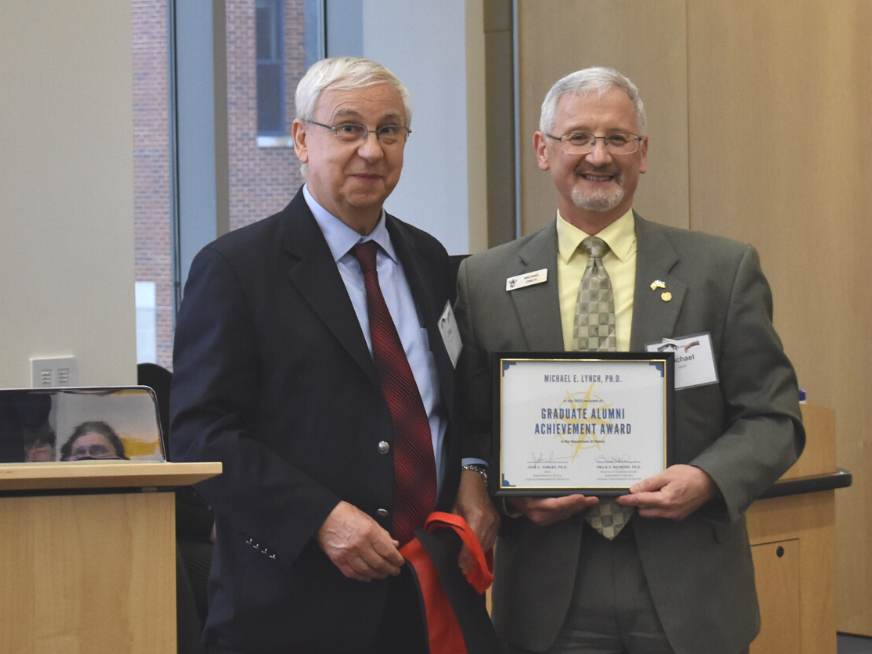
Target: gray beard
[(597, 201)]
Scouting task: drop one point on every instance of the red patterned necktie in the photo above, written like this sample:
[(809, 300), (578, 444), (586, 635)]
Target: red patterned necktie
[(414, 463)]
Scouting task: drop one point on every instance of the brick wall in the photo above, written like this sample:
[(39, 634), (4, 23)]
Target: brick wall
[(151, 164), (262, 180)]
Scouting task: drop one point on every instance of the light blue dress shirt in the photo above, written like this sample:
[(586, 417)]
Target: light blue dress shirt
[(398, 296)]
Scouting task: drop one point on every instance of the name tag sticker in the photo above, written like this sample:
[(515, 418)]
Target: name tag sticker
[(450, 333), (527, 279), (694, 359)]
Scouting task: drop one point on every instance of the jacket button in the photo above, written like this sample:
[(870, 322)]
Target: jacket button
[(383, 513), (384, 447)]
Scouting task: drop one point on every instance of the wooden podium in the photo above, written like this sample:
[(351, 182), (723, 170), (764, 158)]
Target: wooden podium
[(88, 556), (792, 532)]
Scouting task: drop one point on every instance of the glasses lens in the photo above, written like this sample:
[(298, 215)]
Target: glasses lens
[(621, 143), (390, 134), (583, 143), (579, 141), (350, 131), (93, 451)]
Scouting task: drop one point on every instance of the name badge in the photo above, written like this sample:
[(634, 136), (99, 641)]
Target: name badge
[(527, 279), (694, 359), (450, 333)]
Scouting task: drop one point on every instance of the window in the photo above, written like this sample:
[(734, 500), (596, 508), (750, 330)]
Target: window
[(268, 45), (152, 183), (269, 37)]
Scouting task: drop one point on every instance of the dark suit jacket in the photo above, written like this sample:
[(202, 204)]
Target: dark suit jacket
[(744, 431), (272, 377)]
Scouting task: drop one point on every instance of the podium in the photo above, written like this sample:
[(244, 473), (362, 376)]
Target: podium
[(792, 533), (88, 556)]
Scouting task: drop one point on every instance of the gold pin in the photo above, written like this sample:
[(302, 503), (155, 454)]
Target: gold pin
[(666, 296), (657, 284)]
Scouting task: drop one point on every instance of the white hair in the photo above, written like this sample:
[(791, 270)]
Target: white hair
[(599, 79), (345, 74)]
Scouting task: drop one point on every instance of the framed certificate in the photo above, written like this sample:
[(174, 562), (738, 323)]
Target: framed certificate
[(593, 423)]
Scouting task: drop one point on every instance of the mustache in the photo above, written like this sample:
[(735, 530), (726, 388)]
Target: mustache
[(602, 170)]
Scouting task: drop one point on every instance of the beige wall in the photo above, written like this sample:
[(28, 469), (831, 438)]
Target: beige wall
[(66, 189), (759, 122), (437, 49)]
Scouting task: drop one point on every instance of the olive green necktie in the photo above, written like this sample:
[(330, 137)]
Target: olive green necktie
[(595, 332)]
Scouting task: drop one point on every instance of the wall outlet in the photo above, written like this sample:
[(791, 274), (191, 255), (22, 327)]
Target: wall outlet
[(51, 373)]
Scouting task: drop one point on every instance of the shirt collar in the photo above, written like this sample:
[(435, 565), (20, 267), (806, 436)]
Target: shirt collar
[(340, 237), (620, 236)]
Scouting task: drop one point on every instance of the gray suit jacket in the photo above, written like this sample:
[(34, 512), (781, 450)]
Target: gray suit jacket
[(744, 431)]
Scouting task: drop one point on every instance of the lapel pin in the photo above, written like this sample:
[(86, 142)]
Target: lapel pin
[(657, 284), (666, 296)]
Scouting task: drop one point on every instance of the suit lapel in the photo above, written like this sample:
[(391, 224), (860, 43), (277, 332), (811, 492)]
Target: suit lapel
[(655, 311), (315, 275), (538, 306)]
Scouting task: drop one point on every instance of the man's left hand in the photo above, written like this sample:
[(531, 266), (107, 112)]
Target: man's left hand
[(674, 493), (474, 505)]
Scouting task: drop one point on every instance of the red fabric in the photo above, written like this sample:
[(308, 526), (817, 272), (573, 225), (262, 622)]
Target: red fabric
[(443, 631), (414, 462)]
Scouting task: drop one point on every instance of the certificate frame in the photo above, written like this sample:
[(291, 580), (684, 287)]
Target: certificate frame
[(556, 433)]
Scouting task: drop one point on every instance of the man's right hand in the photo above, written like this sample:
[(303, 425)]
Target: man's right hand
[(545, 511), (358, 545)]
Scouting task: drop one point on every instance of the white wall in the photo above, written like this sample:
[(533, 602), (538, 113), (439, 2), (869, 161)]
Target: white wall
[(66, 166), (66, 189), (433, 47)]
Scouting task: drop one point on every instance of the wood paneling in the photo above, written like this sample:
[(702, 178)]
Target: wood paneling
[(645, 40), (807, 519), (776, 568), (779, 104), (819, 456), (89, 574)]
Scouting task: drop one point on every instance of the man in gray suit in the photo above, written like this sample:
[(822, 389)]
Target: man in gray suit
[(679, 578)]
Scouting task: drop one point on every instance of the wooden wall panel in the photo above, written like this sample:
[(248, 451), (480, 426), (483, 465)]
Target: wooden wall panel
[(645, 40), (779, 105)]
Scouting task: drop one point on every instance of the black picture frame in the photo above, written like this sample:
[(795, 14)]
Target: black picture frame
[(573, 363)]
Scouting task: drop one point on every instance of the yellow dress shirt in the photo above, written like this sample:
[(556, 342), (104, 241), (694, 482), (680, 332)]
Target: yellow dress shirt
[(619, 262)]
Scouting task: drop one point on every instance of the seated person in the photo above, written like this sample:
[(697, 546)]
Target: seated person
[(93, 440), (39, 444)]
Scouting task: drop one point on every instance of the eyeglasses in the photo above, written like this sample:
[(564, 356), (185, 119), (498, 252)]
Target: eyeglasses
[(352, 132), (95, 451), (584, 143)]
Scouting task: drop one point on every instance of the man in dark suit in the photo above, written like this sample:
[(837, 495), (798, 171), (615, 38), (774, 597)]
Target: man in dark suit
[(281, 374), (679, 577)]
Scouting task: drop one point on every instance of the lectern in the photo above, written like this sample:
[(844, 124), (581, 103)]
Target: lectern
[(88, 556), (792, 532), (87, 522)]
